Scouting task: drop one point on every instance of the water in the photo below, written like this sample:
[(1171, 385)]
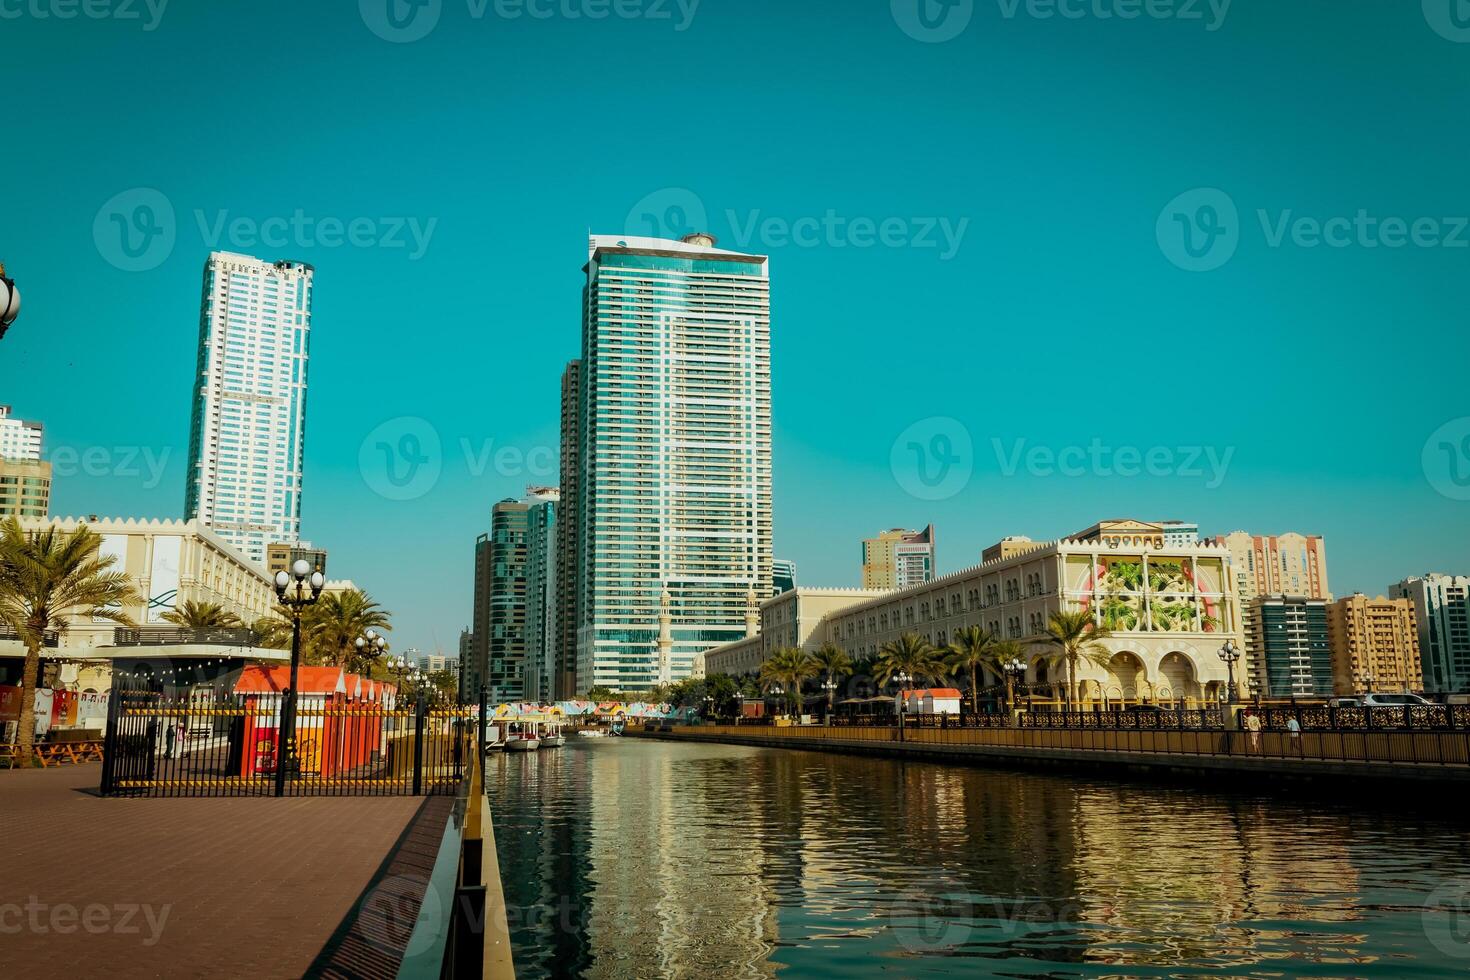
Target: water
[(634, 858)]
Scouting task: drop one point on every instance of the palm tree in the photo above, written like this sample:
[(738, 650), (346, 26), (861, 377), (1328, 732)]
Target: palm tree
[(970, 650), (274, 632), (833, 661), (1006, 652), (202, 616), (1073, 636), (45, 577), (789, 666), (335, 623), (911, 654)]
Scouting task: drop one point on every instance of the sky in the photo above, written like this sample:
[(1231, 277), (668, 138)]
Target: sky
[(1033, 263)]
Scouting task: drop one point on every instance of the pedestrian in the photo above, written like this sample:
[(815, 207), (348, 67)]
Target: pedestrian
[(1294, 731), (1253, 725)]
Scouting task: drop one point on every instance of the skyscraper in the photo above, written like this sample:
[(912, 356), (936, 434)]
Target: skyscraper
[(1288, 564), (1291, 647), (568, 552), (249, 416), (783, 575), (543, 521), (674, 435), (898, 559), (1442, 612), (19, 439)]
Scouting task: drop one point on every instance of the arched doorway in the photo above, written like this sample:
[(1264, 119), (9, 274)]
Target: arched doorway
[(1178, 675), (1124, 684)]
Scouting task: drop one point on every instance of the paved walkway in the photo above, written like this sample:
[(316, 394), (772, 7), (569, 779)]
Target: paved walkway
[(206, 887)]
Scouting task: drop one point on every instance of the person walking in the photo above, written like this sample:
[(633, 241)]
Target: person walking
[(1253, 725)]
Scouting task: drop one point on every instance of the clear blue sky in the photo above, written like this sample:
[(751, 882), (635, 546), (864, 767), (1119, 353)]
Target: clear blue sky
[(1060, 318)]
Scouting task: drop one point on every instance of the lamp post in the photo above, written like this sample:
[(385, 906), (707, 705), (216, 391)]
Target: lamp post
[(739, 705), (1230, 654), (1015, 670), (902, 679), (307, 587), (830, 686), (779, 691), (370, 646), (9, 301)]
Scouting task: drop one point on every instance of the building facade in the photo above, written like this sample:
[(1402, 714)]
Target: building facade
[(1168, 610), (568, 549), (281, 555), (25, 488), (1289, 649), (247, 436), (674, 436), (168, 563), (1278, 564), (898, 559), (1442, 614), (542, 524), (789, 619), (783, 575), (19, 439), (1375, 645)]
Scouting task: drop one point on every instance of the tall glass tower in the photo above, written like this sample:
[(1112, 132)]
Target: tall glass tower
[(246, 441), (674, 449)]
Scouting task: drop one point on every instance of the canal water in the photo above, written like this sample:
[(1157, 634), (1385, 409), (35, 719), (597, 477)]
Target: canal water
[(635, 858)]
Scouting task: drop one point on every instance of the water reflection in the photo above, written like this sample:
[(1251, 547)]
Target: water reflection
[(631, 858)]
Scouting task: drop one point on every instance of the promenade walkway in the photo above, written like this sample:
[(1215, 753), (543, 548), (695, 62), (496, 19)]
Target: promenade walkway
[(192, 887)]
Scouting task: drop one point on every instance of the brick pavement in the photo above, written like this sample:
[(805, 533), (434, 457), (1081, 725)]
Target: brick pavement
[(189, 887)]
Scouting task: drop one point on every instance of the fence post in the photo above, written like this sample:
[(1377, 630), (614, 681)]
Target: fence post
[(418, 747), (109, 739), (484, 720)]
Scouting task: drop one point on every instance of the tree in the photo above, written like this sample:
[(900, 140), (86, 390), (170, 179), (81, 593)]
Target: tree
[(273, 632), (335, 623), (1004, 652), (203, 616), (910, 654), (788, 666), (1072, 637), (45, 577), (969, 650), (834, 662)]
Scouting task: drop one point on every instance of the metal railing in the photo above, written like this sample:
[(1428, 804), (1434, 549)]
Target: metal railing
[(161, 636), (213, 742), (1386, 748), (50, 638)]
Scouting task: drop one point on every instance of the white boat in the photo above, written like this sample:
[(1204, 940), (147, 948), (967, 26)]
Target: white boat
[(522, 743), (494, 738), (552, 737), (592, 733), (523, 735)]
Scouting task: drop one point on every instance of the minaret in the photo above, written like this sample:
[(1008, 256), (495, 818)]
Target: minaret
[(665, 638), (752, 613)]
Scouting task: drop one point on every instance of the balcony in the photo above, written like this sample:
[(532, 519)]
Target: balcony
[(165, 636), (48, 639)]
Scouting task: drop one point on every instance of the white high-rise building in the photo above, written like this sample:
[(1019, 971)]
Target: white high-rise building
[(1442, 612), (246, 441), (19, 439), (674, 455)]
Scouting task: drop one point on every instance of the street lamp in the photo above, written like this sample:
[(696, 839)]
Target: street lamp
[(902, 679), (1230, 655), (1015, 670), (308, 586), (830, 686), (739, 705), (777, 690), (9, 301), (370, 646)]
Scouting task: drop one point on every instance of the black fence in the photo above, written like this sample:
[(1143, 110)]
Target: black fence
[(157, 636), (213, 741), (1409, 717)]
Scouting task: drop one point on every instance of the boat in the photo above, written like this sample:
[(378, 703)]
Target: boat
[(522, 736), (552, 737), (592, 733), (494, 738)]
